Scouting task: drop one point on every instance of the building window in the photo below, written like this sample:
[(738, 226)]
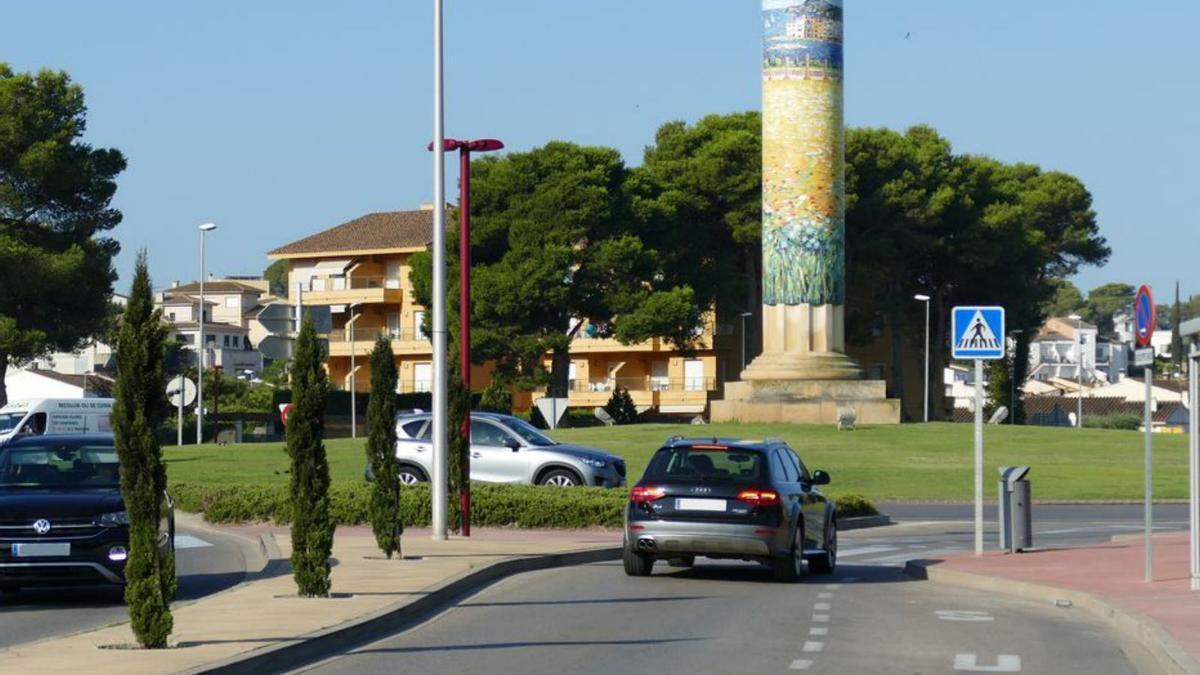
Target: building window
[(210, 339)]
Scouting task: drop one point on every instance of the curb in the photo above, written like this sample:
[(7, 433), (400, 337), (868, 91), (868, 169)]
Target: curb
[(1142, 629), (313, 647), (862, 522)]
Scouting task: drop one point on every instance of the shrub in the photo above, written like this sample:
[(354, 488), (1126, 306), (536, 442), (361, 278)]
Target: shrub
[(1120, 422), (620, 407), (312, 526), (527, 506), (381, 450), (139, 409), (496, 398)]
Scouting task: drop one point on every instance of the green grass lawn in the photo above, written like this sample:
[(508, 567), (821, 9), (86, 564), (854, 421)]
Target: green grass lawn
[(905, 462)]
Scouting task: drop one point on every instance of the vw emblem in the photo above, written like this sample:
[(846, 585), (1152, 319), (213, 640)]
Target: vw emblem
[(41, 526)]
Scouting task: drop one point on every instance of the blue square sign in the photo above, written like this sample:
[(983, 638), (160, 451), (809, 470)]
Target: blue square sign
[(978, 333)]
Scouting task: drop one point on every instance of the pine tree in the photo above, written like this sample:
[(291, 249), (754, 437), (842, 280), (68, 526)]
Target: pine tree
[(381, 450), (621, 407), (496, 397), (150, 582), (312, 526)]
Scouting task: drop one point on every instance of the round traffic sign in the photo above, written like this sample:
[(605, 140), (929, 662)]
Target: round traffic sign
[(1143, 314), (188, 390)]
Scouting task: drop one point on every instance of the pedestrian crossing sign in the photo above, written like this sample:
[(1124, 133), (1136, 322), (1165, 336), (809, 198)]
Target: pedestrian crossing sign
[(978, 332)]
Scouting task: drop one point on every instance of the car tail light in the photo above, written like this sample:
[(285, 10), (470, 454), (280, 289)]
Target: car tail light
[(759, 497), (645, 495)]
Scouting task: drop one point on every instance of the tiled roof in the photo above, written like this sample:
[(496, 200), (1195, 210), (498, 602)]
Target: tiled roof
[(216, 286), (183, 301), (192, 325), (374, 231)]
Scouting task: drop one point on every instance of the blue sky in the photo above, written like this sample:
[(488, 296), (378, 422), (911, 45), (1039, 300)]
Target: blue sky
[(278, 119)]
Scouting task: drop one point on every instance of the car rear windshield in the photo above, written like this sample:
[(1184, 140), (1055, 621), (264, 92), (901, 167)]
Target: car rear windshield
[(58, 466), (711, 463)]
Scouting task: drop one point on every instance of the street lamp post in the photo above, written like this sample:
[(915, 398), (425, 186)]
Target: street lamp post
[(1079, 357), (745, 315), (1012, 380), (465, 148), (921, 297), (200, 348)]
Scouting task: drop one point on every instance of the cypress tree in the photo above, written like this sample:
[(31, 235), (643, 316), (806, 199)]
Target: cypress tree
[(381, 450), (312, 526), (458, 411), (140, 406)]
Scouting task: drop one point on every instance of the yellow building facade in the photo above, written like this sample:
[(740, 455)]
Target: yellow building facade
[(360, 270)]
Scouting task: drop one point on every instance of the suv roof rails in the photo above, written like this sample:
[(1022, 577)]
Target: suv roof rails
[(770, 440)]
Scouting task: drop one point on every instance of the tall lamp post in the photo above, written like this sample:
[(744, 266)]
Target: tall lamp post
[(745, 315), (1012, 380), (921, 297), (465, 148), (353, 373), (1079, 356), (201, 348)]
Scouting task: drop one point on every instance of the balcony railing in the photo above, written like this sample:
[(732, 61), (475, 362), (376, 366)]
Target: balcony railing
[(352, 283), (643, 384), (372, 334)]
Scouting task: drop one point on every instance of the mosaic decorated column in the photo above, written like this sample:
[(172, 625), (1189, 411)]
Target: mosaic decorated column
[(804, 257)]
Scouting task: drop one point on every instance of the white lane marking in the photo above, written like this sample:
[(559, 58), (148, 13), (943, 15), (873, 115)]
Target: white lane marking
[(821, 606), (824, 596), (813, 646), (801, 664), (817, 631), (963, 615), (833, 587), (820, 618), (865, 550), (188, 541), (1005, 663)]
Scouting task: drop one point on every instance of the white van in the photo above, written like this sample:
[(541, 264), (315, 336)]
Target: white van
[(55, 416)]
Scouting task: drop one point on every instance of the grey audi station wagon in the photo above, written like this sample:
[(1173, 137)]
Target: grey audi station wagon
[(746, 500)]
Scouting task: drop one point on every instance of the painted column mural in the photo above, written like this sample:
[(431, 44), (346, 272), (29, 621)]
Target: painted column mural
[(803, 153)]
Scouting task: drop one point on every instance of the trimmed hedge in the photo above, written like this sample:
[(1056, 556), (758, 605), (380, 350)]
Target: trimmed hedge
[(525, 506)]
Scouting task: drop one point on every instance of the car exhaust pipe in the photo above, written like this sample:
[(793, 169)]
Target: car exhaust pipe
[(646, 545)]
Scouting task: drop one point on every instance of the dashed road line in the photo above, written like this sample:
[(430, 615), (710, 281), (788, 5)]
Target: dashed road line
[(818, 631), (820, 618), (801, 664), (824, 596), (821, 606), (812, 646), (1005, 663)]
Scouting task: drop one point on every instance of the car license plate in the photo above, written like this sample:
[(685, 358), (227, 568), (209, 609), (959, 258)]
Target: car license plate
[(40, 550), (700, 505)]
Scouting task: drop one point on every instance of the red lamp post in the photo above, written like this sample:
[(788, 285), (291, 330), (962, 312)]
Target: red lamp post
[(465, 148)]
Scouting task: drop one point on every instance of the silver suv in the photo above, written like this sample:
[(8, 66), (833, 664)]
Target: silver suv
[(507, 449)]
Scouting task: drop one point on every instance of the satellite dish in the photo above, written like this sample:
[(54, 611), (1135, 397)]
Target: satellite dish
[(188, 391)]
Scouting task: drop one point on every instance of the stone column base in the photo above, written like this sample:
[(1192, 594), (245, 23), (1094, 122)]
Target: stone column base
[(805, 402), (771, 366)]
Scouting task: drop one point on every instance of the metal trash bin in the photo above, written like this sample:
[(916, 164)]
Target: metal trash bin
[(1016, 512)]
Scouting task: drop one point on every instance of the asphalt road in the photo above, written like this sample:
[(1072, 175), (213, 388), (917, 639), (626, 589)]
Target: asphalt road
[(206, 561), (722, 617)]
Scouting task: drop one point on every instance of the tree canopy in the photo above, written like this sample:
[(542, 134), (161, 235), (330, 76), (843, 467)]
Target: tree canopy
[(55, 193)]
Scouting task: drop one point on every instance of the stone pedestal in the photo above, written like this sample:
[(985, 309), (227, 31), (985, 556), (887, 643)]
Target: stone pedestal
[(805, 402)]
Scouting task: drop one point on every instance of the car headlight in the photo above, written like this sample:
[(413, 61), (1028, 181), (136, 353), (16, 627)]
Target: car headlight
[(114, 519), (592, 461)]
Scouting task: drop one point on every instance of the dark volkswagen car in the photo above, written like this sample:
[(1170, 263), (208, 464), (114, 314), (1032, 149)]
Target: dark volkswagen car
[(746, 500), (62, 520)]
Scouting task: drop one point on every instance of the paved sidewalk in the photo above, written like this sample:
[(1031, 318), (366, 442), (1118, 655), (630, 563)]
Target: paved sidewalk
[(266, 612), (1111, 572)]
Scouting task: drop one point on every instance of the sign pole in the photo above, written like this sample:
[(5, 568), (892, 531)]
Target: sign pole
[(179, 430), (1194, 462), (1149, 506), (978, 456)]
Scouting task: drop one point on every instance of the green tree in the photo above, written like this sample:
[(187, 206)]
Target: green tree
[(1177, 346), (138, 410), (1105, 301), (620, 407), (55, 194), (381, 450), (312, 525), (496, 397), (553, 243), (276, 275), (457, 464), (1067, 299)]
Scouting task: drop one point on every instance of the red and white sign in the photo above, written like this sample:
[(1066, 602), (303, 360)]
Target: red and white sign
[(1143, 314), (284, 410)]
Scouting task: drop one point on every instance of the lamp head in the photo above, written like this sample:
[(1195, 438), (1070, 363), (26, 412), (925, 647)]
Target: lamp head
[(208, 227), (448, 144), (485, 145), (921, 297)]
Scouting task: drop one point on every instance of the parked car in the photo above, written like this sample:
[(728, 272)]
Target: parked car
[(746, 500), (62, 519), (507, 449)]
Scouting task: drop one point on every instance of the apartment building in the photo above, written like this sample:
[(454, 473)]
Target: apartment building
[(359, 270)]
